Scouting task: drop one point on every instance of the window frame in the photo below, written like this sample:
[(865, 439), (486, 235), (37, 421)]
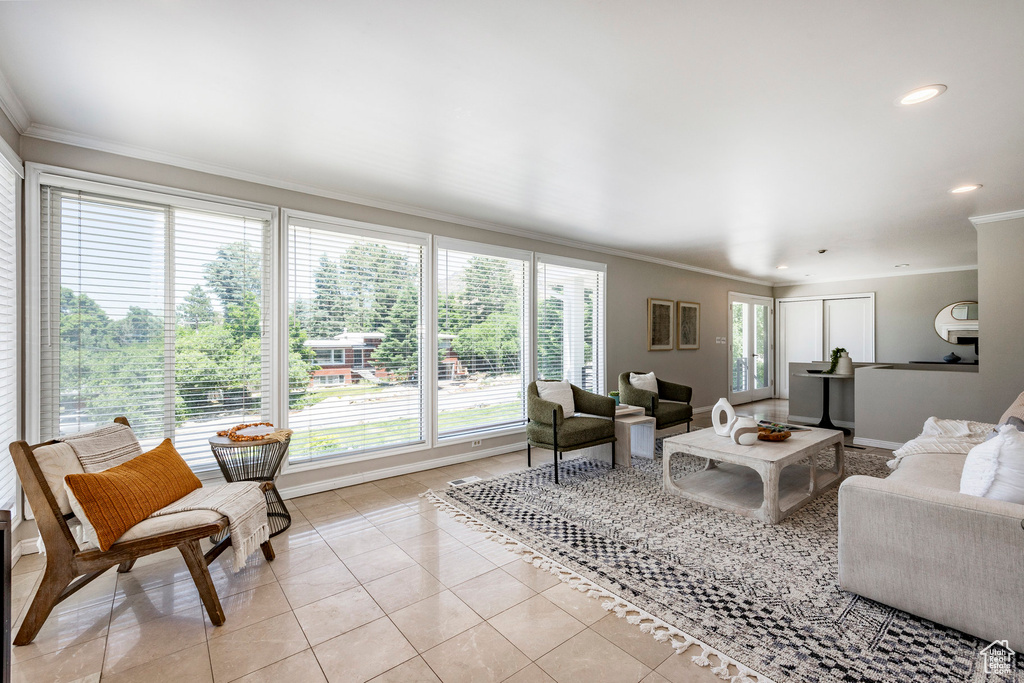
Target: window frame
[(600, 323), (36, 176), (427, 382), (529, 338), (11, 161)]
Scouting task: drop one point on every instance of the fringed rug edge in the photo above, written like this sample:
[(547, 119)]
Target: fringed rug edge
[(657, 628)]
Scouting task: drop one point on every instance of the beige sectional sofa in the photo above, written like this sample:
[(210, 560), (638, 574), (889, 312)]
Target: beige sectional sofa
[(914, 542)]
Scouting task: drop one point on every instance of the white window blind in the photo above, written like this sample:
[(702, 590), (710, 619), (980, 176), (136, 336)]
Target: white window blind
[(483, 340), (570, 323), (155, 311), (8, 337), (356, 359)]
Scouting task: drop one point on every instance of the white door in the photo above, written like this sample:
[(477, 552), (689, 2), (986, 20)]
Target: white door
[(801, 337), (750, 353), (850, 324)]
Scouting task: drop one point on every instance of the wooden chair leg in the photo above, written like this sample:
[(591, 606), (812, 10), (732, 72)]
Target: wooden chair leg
[(193, 554), (47, 596), (268, 551), (125, 566)]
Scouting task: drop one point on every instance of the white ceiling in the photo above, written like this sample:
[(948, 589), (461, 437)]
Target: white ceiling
[(733, 136)]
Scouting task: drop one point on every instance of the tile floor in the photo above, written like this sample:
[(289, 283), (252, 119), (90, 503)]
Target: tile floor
[(370, 583)]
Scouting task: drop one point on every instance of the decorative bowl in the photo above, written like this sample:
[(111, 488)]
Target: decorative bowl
[(765, 434)]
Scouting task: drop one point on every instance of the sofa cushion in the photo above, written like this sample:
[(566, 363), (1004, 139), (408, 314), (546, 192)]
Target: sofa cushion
[(113, 501), (573, 433), (1016, 409), (647, 382), (995, 469), (557, 392), (57, 460), (672, 413), (933, 470)]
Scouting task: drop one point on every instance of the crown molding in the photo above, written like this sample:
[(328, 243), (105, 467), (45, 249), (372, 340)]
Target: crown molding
[(67, 137), (996, 217), (923, 271), (12, 106)]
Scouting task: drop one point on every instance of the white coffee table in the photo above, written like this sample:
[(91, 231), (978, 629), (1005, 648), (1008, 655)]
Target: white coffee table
[(762, 481)]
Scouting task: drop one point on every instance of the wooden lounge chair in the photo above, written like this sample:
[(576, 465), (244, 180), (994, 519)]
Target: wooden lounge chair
[(70, 567)]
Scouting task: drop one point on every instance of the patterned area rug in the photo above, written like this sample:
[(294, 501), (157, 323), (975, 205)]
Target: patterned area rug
[(764, 601)]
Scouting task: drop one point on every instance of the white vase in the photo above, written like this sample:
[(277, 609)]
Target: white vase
[(845, 364), (744, 431), (723, 409)]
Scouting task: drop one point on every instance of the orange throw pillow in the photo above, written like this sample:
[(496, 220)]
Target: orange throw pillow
[(117, 499)]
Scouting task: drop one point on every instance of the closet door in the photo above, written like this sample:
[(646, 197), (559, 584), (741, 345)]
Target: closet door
[(801, 338), (850, 324)]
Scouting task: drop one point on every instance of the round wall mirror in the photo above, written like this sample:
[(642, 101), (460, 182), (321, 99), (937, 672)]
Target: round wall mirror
[(957, 323)]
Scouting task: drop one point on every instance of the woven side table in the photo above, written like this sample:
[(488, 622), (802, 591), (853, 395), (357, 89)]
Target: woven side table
[(255, 461)]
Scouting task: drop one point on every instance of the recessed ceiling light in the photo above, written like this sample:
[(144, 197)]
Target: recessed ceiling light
[(902, 265), (781, 267), (919, 95), (964, 188)]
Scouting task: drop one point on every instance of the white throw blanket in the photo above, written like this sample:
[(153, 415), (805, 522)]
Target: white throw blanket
[(943, 436), (245, 506)]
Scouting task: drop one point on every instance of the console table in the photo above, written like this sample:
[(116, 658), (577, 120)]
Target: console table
[(826, 418)]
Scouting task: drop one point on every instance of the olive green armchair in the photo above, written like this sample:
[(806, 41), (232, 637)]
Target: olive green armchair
[(670, 407), (550, 428)]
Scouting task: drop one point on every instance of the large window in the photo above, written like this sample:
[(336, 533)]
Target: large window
[(570, 322), (483, 333), (153, 307), (356, 331), (8, 336)]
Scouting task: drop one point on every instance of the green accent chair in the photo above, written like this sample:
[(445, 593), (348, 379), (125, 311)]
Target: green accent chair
[(670, 407), (549, 428)]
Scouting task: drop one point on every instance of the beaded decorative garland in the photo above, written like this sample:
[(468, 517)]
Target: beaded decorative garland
[(235, 436)]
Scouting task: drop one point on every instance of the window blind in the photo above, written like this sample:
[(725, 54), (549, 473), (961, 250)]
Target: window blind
[(570, 324), (8, 337), (154, 311), (483, 340), (356, 340)]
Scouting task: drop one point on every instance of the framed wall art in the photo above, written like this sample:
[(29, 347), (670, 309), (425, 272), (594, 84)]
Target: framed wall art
[(660, 323), (687, 325)]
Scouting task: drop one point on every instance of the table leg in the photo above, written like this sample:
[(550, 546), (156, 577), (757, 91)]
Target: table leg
[(769, 512), (826, 417)]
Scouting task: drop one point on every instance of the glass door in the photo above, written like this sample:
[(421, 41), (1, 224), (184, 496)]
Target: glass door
[(750, 353)]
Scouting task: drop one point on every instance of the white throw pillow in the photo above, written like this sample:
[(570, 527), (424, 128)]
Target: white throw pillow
[(88, 530), (995, 469), (558, 392), (646, 382)]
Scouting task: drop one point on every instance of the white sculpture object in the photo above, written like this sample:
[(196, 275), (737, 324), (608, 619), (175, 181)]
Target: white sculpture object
[(744, 431), (723, 428)]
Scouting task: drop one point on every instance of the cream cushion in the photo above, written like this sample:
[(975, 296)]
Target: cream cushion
[(1016, 409), (57, 461), (558, 392), (152, 526), (646, 382)]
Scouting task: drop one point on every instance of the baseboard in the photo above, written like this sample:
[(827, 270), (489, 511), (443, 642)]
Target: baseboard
[(29, 546), (876, 443), (398, 470), (811, 421), (702, 409)]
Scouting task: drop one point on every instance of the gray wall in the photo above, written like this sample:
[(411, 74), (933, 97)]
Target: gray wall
[(630, 283), (905, 308), (1001, 285)]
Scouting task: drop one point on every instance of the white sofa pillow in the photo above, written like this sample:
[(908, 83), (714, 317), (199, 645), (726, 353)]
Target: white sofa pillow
[(558, 392), (646, 382), (995, 469)]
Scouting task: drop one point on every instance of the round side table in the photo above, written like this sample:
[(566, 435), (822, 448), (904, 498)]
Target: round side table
[(255, 461)]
